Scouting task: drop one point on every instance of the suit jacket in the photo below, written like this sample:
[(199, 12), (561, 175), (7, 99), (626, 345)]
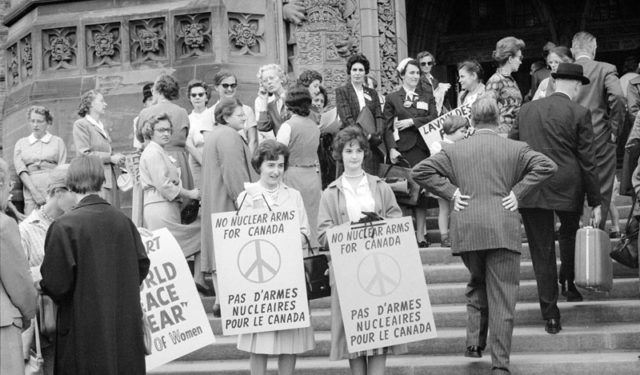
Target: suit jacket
[(349, 108), (562, 130), (633, 97), (17, 293), (394, 107), (427, 87), (603, 96), (89, 140), (505, 166), (272, 118)]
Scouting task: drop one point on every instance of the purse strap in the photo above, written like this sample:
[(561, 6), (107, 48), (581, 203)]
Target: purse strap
[(306, 239), (633, 206), (36, 332)]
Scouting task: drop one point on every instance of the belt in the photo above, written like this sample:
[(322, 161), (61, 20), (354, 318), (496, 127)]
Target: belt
[(40, 165)]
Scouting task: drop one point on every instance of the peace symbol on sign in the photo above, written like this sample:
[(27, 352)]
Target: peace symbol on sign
[(259, 261), (379, 274)]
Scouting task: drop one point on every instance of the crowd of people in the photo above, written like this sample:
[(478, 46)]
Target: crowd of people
[(293, 148)]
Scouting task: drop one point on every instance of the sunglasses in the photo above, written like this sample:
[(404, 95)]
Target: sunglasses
[(425, 63), (198, 94), (229, 85)]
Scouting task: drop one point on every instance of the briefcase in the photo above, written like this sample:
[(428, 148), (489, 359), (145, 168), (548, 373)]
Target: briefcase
[(593, 266), (406, 190), (316, 274)]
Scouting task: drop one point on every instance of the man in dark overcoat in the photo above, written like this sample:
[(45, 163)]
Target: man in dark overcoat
[(93, 266), (562, 130), (487, 176)]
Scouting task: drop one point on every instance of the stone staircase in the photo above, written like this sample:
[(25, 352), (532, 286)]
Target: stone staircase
[(600, 335)]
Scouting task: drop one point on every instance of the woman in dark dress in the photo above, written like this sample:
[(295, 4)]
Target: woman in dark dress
[(405, 111)]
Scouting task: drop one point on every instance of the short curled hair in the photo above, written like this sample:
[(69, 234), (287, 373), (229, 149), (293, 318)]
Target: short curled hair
[(298, 101), (221, 76), (413, 62), (198, 83), (424, 54), (507, 47), (324, 93), (85, 174), (484, 111), (269, 149), (472, 66), (225, 108), (564, 53), (42, 111), (308, 76), (346, 136), (85, 102), (149, 125), (355, 59), (277, 68), (167, 86), (583, 42), (452, 123)]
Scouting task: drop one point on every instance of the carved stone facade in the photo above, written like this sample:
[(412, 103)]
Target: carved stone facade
[(388, 45), (148, 40), (59, 48), (26, 58), (13, 66), (104, 45), (193, 35), (246, 34)]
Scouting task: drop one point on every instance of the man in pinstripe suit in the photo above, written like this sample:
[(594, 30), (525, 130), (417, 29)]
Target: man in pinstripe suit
[(486, 175)]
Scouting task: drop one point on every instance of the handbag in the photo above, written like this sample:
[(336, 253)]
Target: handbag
[(629, 164), (189, 212), (35, 364), (399, 179), (316, 275), (47, 313), (625, 251)]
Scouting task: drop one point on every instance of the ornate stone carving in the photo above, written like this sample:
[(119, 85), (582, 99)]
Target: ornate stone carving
[(59, 47), (26, 58), (246, 34), (309, 44), (333, 77), (148, 40), (193, 33), (104, 45), (13, 67), (388, 45)]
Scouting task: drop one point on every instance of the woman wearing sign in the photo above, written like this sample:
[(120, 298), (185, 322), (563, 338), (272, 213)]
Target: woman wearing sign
[(344, 201), (405, 111), (271, 160)]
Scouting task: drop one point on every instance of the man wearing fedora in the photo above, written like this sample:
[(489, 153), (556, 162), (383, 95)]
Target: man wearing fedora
[(561, 129)]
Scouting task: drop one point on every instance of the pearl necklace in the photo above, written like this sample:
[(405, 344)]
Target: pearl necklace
[(354, 176)]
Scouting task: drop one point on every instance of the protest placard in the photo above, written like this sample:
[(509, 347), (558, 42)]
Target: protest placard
[(432, 132), (381, 284), (260, 271), (172, 306)]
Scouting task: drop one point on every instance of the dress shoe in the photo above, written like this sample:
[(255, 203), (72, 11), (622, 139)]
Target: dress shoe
[(445, 242), (572, 293), (473, 351), (216, 310), (553, 326), (423, 244)]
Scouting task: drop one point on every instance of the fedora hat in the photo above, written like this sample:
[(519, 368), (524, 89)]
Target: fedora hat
[(570, 71)]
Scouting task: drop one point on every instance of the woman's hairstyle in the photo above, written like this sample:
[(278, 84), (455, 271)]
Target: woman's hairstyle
[(198, 83), (308, 76), (324, 93), (221, 76), (147, 92), (507, 47), (564, 53), (358, 58), (452, 123), (472, 66), (484, 111), (424, 54), (344, 137), (402, 68), (167, 86), (225, 108), (42, 111), (149, 125), (269, 149), (85, 102), (85, 174), (298, 101), (275, 67)]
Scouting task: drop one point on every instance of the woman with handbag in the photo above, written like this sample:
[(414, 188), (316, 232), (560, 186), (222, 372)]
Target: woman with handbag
[(270, 161), (345, 200), (162, 188), (405, 111)]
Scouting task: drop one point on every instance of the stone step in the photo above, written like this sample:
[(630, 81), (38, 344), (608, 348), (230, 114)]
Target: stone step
[(454, 293), (527, 313), (602, 362), (526, 339)]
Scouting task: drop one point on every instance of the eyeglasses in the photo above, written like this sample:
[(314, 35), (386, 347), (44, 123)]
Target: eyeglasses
[(425, 63), (198, 94), (163, 130), (229, 85)]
